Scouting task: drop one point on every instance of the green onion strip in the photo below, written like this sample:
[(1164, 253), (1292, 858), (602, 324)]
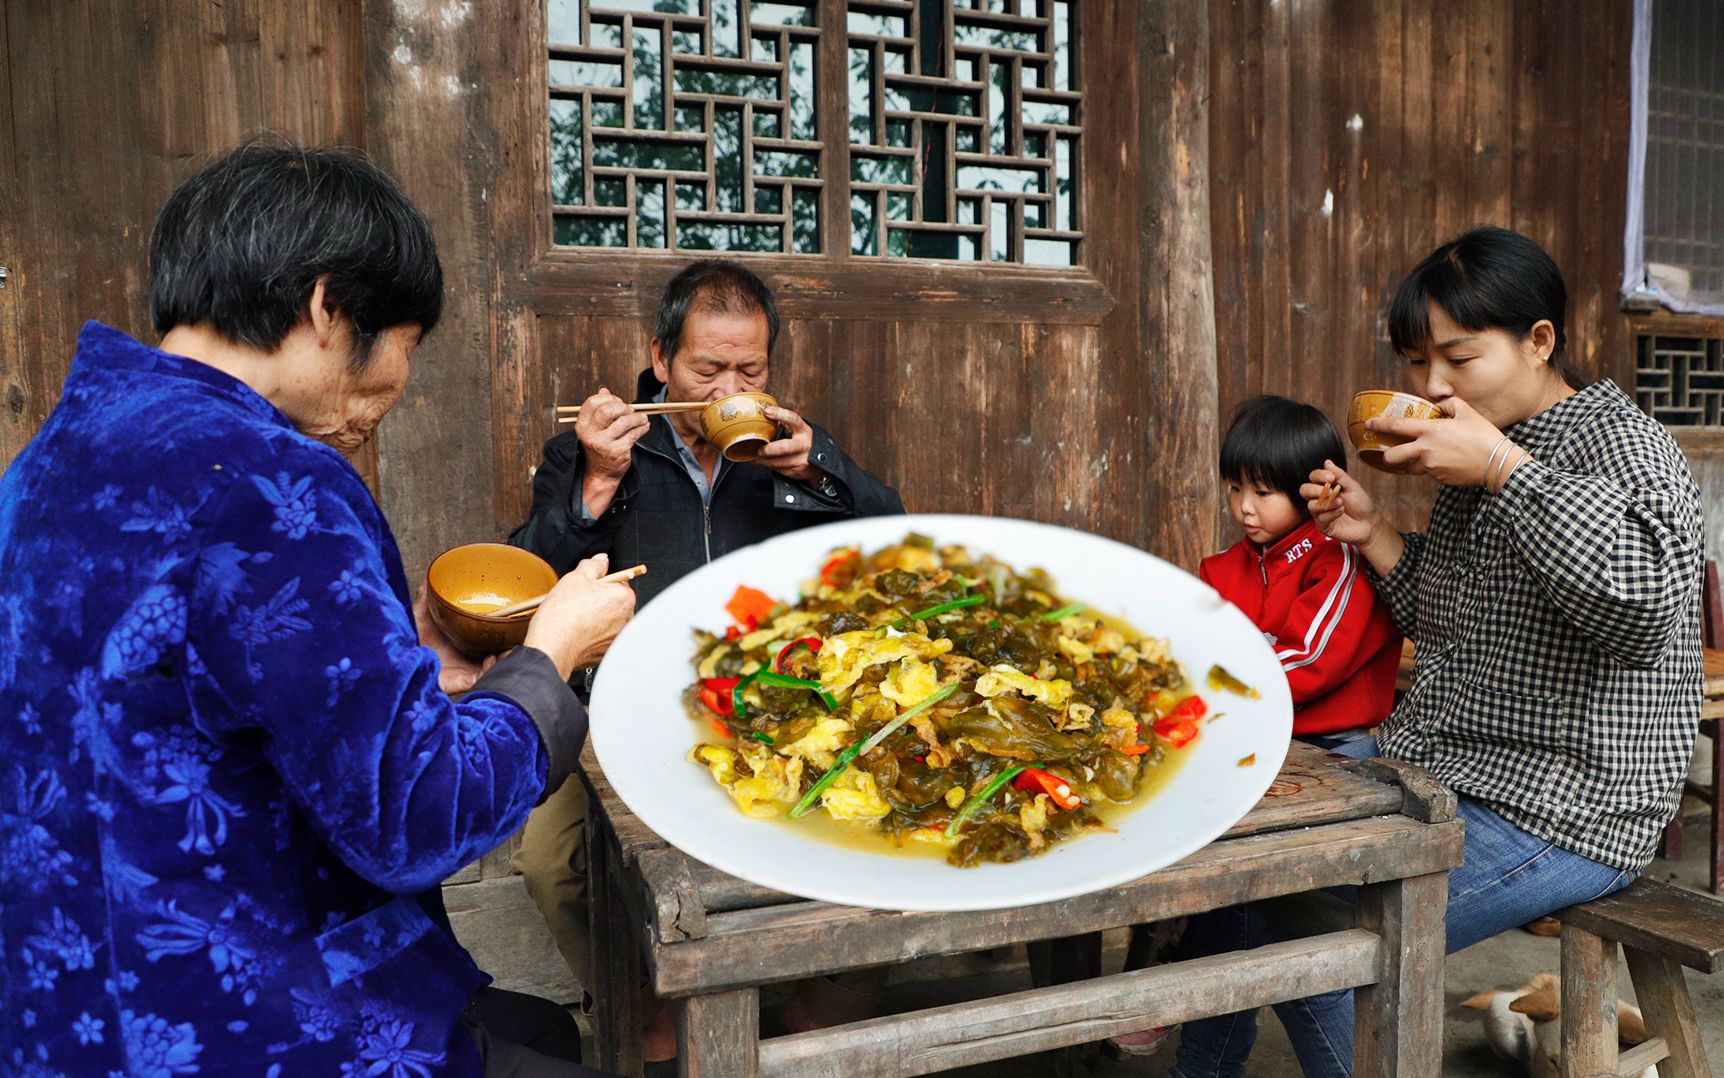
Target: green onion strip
[(943, 608), (975, 803), (858, 748)]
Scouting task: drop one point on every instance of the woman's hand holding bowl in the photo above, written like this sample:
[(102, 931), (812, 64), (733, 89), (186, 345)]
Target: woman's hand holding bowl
[(1454, 451), (457, 671), (581, 616)]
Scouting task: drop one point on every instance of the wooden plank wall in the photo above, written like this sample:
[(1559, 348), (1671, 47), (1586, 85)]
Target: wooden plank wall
[(106, 107), (1347, 140)]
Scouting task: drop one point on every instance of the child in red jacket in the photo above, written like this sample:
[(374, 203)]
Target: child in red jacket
[(1308, 593)]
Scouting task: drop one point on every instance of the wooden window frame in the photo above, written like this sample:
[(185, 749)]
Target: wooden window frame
[(1660, 322), (834, 284)]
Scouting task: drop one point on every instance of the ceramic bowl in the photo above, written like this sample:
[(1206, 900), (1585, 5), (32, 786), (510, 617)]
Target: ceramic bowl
[(466, 582), (1383, 404), (737, 424)]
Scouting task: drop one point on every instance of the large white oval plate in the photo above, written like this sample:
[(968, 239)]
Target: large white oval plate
[(642, 734)]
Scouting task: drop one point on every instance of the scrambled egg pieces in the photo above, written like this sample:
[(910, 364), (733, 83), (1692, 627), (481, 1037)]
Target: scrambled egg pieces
[(910, 682), (777, 780), (1002, 679), (1033, 816), (821, 745), (845, 656), (854, 797), (774, 786)]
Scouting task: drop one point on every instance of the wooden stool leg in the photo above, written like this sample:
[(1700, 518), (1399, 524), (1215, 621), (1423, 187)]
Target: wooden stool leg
[(1398, 1022), (1717, 803), (718, 1035), (1669, 1013), (1588, 1002), (618, 972), (1672, 844)]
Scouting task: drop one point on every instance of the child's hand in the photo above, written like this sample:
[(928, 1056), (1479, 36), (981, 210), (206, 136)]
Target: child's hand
[(1351, 515)]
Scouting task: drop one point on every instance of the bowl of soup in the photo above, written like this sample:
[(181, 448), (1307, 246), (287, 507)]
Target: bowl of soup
[(1383, 404), (466, 583), (737, 424)]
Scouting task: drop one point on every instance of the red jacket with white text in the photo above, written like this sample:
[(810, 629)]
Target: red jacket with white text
[(1310, 596)]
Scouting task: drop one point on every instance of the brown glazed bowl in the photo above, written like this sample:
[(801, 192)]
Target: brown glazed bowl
[(466, 582), (737, 424), (1383, 404)]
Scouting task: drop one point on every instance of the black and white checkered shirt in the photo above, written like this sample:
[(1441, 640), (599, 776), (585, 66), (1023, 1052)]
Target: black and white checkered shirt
[(1559, 677)]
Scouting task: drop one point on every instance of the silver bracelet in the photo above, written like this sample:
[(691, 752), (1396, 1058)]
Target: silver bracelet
[(1485, 479), (1512, 468), (1495, 483)]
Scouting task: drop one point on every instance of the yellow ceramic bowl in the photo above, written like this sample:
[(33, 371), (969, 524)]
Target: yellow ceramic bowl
[(737, 424), (1385, 404), (467, 582)]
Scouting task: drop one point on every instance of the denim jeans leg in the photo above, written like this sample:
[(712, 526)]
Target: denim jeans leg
[(1508, 877), (1321, 1030), (1216, 1047)]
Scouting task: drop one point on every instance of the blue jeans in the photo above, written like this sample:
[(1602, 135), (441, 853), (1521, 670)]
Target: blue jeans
[(1508, 878)]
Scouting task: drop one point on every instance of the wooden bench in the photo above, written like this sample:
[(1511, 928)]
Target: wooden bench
[(1661, 929)]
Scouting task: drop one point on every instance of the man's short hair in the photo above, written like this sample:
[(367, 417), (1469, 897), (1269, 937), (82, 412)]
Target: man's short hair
[(242, 244), (716, 285)]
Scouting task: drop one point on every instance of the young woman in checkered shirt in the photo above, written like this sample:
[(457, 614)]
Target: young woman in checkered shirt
[(1554, 601)]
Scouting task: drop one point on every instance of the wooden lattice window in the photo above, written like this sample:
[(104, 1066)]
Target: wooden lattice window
[(710, 125), (1679, 380)]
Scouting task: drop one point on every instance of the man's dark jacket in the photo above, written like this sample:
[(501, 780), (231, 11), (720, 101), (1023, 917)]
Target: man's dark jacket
[(657, 519)]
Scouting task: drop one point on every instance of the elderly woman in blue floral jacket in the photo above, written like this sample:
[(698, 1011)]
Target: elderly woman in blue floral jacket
[(230, 759)]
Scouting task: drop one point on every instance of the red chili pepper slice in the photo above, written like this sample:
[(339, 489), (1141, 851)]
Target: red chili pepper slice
[(715, 694), (1178, 731), (749, 607), (1059, 791), (1191, 708), (1135, 750), (840, 569), (723, 730), (812, 643)]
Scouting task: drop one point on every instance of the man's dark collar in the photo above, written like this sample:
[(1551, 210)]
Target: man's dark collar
[(647, 387)]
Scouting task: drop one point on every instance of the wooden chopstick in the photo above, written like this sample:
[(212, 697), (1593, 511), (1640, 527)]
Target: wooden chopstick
[(618, 577), (1326, 496), (649, 408)]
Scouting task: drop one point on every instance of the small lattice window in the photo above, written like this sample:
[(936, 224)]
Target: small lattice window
[(1680, 380), (708, 125)]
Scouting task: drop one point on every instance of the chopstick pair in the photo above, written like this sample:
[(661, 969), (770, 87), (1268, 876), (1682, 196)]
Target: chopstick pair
[(568, 413), (1326, 496), (619, 577)]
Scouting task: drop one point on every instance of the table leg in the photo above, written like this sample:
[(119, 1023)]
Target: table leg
[(619, 975), (1061, 961), (1669, 1013), (1588, 1002), (718, 1035), (1398, 1022)]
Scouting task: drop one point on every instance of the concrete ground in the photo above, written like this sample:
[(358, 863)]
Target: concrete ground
[(1507, 961)]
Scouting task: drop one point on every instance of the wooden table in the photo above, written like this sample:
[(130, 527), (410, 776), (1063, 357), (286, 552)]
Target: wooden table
[(707, 941)]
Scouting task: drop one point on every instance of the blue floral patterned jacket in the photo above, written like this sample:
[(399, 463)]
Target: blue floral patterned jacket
[(225, 763)]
